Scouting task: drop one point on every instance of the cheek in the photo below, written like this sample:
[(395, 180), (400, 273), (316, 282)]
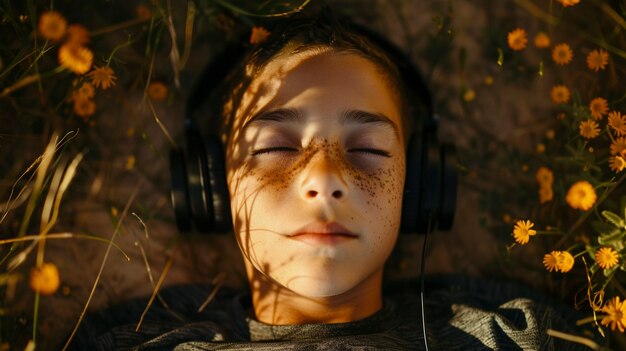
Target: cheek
[(382, 192)]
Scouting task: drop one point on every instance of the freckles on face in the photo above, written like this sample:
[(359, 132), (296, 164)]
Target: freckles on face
[(371, 180)]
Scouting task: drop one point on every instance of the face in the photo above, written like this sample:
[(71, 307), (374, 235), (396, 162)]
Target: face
[(316, 168)]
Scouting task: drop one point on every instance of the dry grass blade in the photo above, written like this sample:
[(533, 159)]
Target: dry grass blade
[(50, 212), (145, 258), (160, 124), (20, 84), (42, 170), (104, 260), (68, 176), (63, 236), (191, 15), (26, 189), (46, 211), (21, 197), (573, 338), (174, 53), (218, 282), (166, 269)]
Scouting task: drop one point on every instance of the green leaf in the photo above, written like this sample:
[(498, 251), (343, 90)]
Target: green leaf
[(617, 235), (609, 272), (603, 228), (613, 218)]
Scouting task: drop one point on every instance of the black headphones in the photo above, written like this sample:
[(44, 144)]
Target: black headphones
[(200, 194)]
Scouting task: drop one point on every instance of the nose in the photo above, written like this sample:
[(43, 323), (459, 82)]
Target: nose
[(323, 179)]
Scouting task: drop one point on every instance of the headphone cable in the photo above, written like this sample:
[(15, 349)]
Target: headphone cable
[(423, 312)]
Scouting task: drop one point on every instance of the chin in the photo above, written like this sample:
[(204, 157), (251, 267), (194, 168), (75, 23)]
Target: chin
[(315, 288), (323, 285)]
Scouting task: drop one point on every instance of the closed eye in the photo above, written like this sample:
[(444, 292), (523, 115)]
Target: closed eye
[(371, 151), (273, 149)]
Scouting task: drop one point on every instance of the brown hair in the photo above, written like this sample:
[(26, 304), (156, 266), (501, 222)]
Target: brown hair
[(302, 33)]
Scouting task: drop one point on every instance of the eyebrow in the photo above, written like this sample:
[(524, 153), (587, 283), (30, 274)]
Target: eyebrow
[(287, 115), (283, 115), (364, 117)]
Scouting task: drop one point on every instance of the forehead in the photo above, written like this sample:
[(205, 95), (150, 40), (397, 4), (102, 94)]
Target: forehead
[(324, 81)]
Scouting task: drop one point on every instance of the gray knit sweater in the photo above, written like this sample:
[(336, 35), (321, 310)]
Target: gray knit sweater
[(461, 314)]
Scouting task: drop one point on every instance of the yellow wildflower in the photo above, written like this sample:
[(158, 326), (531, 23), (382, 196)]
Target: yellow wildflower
[(617, 121), (606, 257), (615, 314), (84, 107), (560, 94), (551, 261), (618, 146), (258, 35), (130, 162), (540, 148), (103, 77), (52, 25), (545, 194), (550, 134), (598, 107), (544, 176), (86, 91), (78, 35), (517, 39), (488, 80), (567, 3), (45, 279), (617, 163), (157, 91), (566, 262), (562, 54), (469, 95), (559, 261), (589, 129), (542, 40), (581, 195), (77, 59), (522, 231), (597, 60)]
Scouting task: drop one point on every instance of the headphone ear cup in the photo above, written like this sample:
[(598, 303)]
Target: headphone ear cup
[(216, 176), (198, 189), (412, 184), (428, 215), (430, 185), (179, 192), (449, 189)]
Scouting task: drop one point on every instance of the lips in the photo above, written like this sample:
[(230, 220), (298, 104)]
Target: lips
[(323, 233)]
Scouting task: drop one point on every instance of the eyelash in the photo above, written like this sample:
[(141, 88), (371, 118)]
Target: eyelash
[(372, 151), (273, 149), (289, 149)]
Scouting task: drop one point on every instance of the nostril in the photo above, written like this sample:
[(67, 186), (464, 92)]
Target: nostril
[(337, 194), (311, 193)]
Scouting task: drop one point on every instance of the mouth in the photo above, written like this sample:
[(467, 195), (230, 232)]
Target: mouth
[(323, 233)]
